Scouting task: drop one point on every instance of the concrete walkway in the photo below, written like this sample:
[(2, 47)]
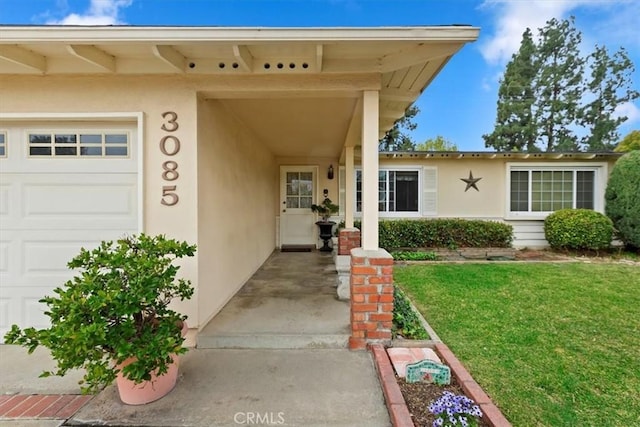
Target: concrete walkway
[(279, 358), (289, 303)]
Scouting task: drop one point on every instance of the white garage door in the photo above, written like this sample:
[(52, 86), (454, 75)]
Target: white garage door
[(62, 187)]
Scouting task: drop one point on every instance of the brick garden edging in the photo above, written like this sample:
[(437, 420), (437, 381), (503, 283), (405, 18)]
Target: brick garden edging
[(398, 411)]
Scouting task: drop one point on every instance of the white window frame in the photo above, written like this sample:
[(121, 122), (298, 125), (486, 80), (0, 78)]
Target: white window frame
[(78, 145), (385, 214), (599, 184)]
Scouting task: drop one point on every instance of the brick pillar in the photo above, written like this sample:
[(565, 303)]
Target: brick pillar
[(371, 297), (348, 239)]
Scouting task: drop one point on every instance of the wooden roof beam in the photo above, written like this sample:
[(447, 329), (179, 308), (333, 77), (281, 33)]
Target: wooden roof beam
[(171, 56), (420, 53), (244, 57), (93, 55), (23, 57), (319, 57)]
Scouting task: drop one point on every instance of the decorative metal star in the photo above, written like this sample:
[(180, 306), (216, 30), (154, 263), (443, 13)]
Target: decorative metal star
[(471, 182)]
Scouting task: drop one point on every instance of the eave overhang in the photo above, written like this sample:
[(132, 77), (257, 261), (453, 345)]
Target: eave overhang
[(494, 155)]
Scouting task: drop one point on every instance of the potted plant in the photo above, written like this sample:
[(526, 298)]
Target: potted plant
[(113, 318), (325, 210)]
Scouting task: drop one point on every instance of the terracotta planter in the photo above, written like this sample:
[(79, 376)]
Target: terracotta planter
[(148, 391)]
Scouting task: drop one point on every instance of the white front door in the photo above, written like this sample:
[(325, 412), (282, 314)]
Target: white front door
[(297, 194)]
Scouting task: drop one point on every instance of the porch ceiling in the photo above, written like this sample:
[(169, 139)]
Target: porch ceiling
[(405, 60), (296, 127)]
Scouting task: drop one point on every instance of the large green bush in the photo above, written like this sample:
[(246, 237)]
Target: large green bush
[(443, 233), (623, 198), (578, 229)]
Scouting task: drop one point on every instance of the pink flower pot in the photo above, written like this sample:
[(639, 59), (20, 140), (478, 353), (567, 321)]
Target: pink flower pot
[(148, 391)]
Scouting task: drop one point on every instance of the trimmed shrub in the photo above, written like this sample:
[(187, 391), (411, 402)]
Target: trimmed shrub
[(443, 233), (578, 229), (623, 198)]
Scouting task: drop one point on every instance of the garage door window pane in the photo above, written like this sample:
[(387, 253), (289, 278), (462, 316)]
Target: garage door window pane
[(40, 151), (91, 151), (90, 139), (38, 138), (66, 151), (116, 151), (115, 139)]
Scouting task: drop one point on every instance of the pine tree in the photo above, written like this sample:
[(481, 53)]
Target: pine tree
[(397, 138), (558, 85), (515, 129), (611, 85)]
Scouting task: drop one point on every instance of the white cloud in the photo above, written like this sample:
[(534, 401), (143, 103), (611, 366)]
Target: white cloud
[(629, 109), (513, 17), (100, 12)]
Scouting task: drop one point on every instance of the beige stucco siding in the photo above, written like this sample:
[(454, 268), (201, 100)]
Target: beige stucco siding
[(453, 201), (237, 193)]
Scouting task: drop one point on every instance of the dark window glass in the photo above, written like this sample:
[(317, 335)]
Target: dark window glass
[(519, 191), (406, 186), (2, 152), (65, 139), (91, 151), (39, 138), (40, 151), (584, 189), (66, 151)]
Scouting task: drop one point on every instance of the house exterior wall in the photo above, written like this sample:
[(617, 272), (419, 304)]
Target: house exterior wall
[(237, 197), (490, 202), (151, 96)]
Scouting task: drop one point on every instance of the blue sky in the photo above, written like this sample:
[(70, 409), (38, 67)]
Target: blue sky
[(460, 103)]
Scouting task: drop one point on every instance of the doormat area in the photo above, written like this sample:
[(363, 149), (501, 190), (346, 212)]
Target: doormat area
[(296, 248)]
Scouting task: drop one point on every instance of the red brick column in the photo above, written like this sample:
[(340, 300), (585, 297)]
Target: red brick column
[(348, 239), (371, 297)]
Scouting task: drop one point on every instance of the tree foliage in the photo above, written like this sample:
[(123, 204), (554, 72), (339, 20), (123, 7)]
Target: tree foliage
[(608, 73), (397, 138), (439, 143), (629, 143), (546, 100), (515, 128), (622, 198)]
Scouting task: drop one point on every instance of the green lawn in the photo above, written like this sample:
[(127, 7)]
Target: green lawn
[(552, 344)]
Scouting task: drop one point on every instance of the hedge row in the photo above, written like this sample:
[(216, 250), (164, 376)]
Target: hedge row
[(578, 229), (443, 233)]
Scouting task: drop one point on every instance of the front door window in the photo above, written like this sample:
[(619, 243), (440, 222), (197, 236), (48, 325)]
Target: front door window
[(299, 190)]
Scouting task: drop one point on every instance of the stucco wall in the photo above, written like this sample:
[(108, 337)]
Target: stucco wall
[(237, 196), (152, 96), (453, 201)]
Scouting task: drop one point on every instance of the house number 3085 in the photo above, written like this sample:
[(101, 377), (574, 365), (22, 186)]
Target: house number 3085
[(170, 146)]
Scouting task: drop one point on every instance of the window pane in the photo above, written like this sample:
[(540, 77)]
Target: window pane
[(65, 151), (358, 191), (39, 139), (519, 191), (305, 202), (584, 189), (116, 151), (65, 139), (551, 190), (2, 138), (90, 139), (2, 152), (115, 139), (292, 202), (91, 151), (406, 197), (40, 151)]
